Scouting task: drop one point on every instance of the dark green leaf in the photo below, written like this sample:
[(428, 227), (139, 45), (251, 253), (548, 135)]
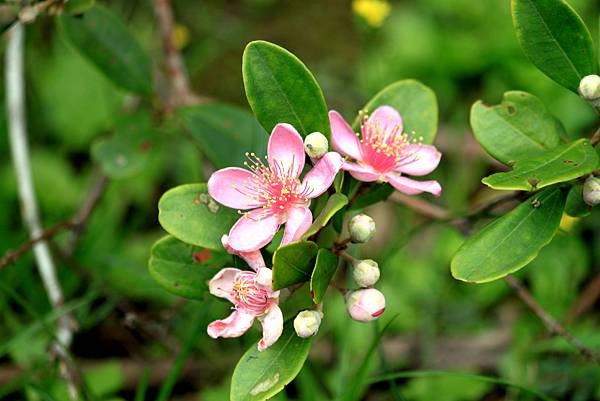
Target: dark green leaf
[(259, 375), (104, 40), (293, 264), (560, 164), (376, 193), (575, 206), (511, 241), (555, 39), (188, 213), (224, 133), (280, 89), (184, 269), (415, 102), (516, 128), (325, 267), (334, 203)]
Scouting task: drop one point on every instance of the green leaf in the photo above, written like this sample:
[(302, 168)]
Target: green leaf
[(511, 241), (224, 133), (259, 375), (184, 269), (576, 207), (516, 128), (105, 41), (560, 164), (555, 39), (76, 7), (293, 263), (128, 151), (280, 89), (415, 102), (325, 268), (376, 193), (188, 213), (334, 203)]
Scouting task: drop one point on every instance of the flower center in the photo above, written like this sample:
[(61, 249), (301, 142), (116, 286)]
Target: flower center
[(385, 147), (248, 295)]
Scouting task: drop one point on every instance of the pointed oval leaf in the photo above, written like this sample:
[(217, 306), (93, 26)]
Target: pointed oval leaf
[(184, 269), (511, 241), (325, 267), (293, 263), (104, 40), (280, 89), (224, 133), (415, 102), (563, 163), (259, 375), (516, 128), (576, 206), (188, 213), (555, 39), (334, 203)]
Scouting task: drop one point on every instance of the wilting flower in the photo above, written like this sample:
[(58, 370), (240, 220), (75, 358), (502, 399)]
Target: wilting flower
[(384, 152), (273, 191), (253, 297)]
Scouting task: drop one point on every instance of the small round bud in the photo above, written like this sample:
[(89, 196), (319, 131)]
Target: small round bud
[(589, 89), (591, 191), (361, 228), (316, 145), (365, 272), (307, 323), (366, 304)]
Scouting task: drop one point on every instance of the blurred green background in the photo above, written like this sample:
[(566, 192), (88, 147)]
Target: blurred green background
[(131, 330)]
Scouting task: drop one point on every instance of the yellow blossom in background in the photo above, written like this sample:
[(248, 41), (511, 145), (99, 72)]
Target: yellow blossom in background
[(373, 11), (567, 222), (181, 36)]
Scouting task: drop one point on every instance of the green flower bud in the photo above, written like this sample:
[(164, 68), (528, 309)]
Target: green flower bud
[(589, 89), (591, 191), (316, 145), (307, 323), (361, 228), (366, 272)]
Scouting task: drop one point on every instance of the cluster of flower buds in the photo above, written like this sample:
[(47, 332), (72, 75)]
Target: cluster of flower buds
[(591, 191)]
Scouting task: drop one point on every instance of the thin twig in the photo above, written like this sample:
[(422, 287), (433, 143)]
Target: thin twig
[(595, 138), (15, 94), (421, 206), (585, 301), (553, 326)]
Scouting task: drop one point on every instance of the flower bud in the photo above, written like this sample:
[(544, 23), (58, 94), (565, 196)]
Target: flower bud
[(589, 89), (307, 323), (361, 228), (316, 145), (591, 191), (365, 304), (365, 272)]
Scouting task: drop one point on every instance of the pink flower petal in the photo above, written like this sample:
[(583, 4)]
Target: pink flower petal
[(422, 159), (221, 284), (412, 187), (298, 221), (320, 178), (234, 325), (386, 119), (253, 231), (272, 324), (228, 186), (286, 151), (264, 278), (361, 173), (254, 258), (343, 137)]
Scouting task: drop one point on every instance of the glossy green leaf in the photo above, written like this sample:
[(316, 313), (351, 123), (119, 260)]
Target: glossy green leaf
[(516, 128), (563, 163), (555, 39), (188, 213), (105, 41), (415, 102), (334, 203), (280, 89), (224, 133), (184, 269), (325, 267), (377, 193), (259, 375), (511, 241), (576, 207), (293, 263), (129, 150)]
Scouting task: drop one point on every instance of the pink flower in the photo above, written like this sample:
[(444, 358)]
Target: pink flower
[(365, 304), (253, 297), (384, 152), (273, 192)]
